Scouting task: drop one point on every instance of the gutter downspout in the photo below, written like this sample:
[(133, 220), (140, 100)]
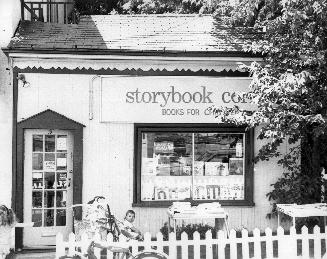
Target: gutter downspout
[(91, 97)]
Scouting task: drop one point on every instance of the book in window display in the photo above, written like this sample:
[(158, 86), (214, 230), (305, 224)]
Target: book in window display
[(199, 168), (148, 166), (187, 170), (163, 169), (216, 168), (175, 169), (236, 166)]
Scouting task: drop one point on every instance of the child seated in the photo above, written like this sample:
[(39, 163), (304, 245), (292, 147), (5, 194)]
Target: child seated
[(127, 228), (7, 222)]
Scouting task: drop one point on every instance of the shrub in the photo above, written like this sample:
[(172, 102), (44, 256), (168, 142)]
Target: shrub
[(189, 229)]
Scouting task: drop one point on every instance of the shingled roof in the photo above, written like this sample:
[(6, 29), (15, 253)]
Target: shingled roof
[(133, 33)]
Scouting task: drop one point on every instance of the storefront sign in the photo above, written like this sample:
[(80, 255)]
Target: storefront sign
[(173, 99)]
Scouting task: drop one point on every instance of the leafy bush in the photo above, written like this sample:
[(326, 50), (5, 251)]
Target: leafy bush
[(189, 229)]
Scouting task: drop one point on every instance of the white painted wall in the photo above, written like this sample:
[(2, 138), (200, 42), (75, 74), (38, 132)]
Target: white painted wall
[(10, 15), (108, 152)]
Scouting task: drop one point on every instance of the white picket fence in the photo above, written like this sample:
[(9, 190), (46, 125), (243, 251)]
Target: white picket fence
[(257, 245)]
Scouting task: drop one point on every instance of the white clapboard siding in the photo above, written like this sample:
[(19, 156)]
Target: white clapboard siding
[(280, 245)]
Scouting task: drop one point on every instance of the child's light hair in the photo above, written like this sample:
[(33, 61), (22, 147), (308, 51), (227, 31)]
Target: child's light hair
[(7, 216)]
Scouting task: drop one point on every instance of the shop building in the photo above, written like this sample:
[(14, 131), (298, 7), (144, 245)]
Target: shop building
[(119, 106)]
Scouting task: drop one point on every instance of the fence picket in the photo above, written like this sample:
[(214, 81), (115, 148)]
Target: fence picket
[(71, 244), (256, 243), (305, 242), (84, 243), (196, 246), (159, 242), (269, 243), (245, 244), (172, 246), (209, 254), (134, 246), (233, 244), (292, 243), (282, 244), (221, 244), (60, 245), (110, 239), (184, 246), (317, 242), (97, 239), (147, 241)]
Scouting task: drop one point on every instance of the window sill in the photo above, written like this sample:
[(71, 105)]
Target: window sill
[(166, 204)]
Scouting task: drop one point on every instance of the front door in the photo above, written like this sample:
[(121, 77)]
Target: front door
[(48, 190)]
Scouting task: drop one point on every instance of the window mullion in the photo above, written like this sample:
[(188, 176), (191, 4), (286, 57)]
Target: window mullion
[(192, 185)]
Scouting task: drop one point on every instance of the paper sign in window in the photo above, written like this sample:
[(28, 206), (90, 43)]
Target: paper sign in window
[(61, 143), (49, 165), (62, 161)]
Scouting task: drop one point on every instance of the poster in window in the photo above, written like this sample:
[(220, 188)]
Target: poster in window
[(216, 168), (49, 165), (61, 161), (163, 147), (61, 143), (211, 168), (236, 166), (148, 166)]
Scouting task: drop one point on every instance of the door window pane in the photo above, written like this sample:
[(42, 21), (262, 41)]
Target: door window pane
[(37, 161), (49, 143), (49, 197), (61, 218), (37, 181), (37, 143), (48, 218), (61, 198), (61, 143), (61, 180), (49, 180), (61, 161), (37, 218), (37, 199)]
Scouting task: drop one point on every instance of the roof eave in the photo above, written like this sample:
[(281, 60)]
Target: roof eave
[(123, 52)]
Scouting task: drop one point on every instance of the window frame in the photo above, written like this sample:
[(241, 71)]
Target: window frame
[(140, 128)]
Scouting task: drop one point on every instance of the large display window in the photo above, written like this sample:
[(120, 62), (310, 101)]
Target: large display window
[(200, 163)]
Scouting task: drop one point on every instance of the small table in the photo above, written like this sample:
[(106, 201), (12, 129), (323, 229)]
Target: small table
[(197, 214), (302, 211)]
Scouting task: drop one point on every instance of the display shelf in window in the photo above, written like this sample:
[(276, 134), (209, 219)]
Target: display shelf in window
[(166, 188)]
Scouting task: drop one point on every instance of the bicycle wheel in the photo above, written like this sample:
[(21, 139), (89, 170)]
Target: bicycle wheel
[(149, 255)]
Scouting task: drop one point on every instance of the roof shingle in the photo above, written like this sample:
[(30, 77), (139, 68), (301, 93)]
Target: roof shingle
[(168, 33)]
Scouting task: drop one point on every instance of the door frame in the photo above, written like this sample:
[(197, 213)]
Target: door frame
[(47, 119)]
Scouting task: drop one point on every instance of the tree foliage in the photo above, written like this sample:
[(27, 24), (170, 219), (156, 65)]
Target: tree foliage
[(289, 90), (144, 6)]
